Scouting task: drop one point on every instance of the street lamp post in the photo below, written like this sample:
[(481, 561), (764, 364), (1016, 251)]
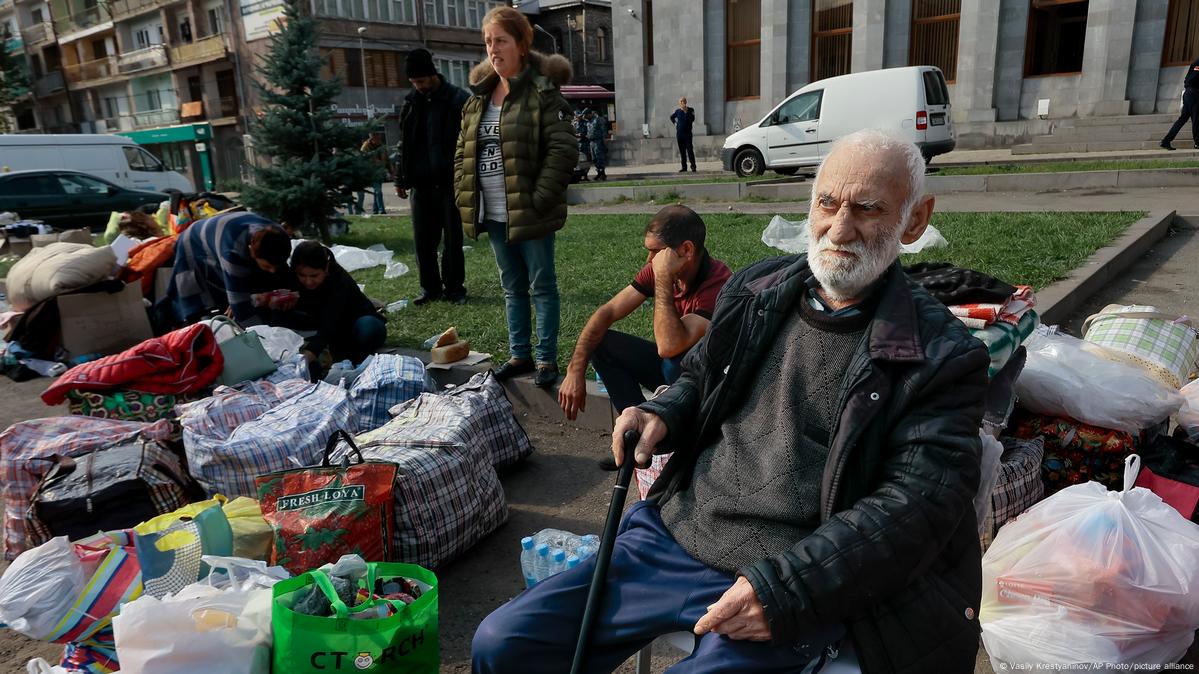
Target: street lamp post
[(549, 34), (366, 101)]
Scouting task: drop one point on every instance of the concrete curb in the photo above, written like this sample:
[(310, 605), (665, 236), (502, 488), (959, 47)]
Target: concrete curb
[(935, 184), (1054, 304), (1059, 300)]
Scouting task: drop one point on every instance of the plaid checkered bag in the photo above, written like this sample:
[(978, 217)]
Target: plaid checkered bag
[(1164, 344), (1018, 487), (24, 443), (490, 416), (448, 495), (294, 366), (254, 428), (389, 380)]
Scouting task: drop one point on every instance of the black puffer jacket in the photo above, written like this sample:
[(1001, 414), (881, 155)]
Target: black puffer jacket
[(896, 557)]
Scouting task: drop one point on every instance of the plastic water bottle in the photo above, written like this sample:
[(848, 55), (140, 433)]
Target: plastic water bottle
[(588, 546), (599, 384), (572, 561), (557, 561), (541, 564), (527, 558)]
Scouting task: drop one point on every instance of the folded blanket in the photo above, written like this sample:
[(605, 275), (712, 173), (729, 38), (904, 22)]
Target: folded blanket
[(1002, 338)]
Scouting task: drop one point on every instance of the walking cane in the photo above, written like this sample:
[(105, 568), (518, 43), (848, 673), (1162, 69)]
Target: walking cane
[(604, 557)]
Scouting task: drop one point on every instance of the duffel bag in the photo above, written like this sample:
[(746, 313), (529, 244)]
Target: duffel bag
[(448, 495), (1165, 345), (109, 489)]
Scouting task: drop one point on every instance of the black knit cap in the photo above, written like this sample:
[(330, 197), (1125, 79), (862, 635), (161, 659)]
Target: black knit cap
[(419, 64)]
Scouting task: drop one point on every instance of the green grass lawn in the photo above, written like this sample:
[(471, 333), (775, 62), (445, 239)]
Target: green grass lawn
[(1068, 167), (597, 255)]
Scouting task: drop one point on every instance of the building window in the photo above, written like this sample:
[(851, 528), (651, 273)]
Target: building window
[(1182, 33), (455, 71), (404, 11), (459, 13), (935, 35), (743, 42), (383, 68), (1056, 31), (649, 32), (832, 38), (142, 38), (214, 21), (601, 44)]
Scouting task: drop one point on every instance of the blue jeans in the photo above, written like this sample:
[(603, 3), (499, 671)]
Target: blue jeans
[(378, 207), (524, 265), (654, 588)]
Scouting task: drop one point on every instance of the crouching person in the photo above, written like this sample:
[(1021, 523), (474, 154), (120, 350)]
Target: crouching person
[(330, 302), (826, 454)]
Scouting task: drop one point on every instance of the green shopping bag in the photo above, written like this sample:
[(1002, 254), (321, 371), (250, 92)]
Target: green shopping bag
[(405, 643)]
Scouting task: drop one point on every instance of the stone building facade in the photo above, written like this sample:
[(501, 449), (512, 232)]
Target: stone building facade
[(737, 59)]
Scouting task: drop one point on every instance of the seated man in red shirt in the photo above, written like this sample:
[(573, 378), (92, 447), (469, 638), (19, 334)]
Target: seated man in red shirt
[(684, 282)]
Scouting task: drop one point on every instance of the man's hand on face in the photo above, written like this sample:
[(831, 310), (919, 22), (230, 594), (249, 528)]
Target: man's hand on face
[(738, 615), (667, 262), (572, 394)]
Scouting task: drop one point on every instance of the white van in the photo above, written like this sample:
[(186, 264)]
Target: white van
[(114, 158), (799, 131)]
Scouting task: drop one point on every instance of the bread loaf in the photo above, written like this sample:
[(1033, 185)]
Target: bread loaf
[(452, 352), (448, 337)]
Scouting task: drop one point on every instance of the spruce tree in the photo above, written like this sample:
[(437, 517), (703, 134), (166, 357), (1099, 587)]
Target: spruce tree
[(14, 82), (312, 160)]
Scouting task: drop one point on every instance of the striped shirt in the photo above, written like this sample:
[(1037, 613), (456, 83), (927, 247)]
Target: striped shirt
[(491, 166)]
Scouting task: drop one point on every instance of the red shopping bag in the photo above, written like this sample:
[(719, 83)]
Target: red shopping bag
[(322, 512)]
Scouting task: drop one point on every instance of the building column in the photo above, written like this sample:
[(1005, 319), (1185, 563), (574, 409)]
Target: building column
[(629, 67), (978, 47), (1107, 55), (775, 21), (869, 34)]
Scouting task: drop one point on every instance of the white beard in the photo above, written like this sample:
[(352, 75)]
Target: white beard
[(845, 279)]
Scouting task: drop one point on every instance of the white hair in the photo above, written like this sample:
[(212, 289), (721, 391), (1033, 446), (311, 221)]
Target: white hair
[(879, 141)]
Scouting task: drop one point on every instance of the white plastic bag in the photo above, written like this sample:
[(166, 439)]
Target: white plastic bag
[(395, 270), (785, 235), (1188, 414), (222, 625), (1092, 576), (39, 588), (352, 259), (40, 666), (1065, 376), (278, 342)]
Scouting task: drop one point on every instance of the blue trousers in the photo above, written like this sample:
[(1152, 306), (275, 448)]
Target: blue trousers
[(654, 588), (365, 337), (524, 265), (378, 208)]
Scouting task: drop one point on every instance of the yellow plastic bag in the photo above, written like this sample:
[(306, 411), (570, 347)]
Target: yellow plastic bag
[(251, 534)]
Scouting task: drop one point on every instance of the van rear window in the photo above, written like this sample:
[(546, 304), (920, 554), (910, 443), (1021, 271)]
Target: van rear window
[(935, 91)]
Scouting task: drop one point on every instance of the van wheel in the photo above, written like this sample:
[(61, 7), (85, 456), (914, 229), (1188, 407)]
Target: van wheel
[(788, 171), (749, 163)]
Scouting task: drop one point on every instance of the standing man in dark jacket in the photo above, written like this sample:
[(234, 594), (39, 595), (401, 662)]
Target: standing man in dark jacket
[(1190, 108), (826, 454), (683, 119), (429, 125)]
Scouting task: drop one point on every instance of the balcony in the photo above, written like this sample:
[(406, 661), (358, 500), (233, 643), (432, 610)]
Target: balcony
[(48, 84), (38, 34), (13, 44), (91, 70), (155, 118), (204, 49), (114, 124), (123, 9), (90, 17), (142, 59)]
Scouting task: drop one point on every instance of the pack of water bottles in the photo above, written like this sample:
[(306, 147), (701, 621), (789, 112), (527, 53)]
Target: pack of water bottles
[(552, 551)]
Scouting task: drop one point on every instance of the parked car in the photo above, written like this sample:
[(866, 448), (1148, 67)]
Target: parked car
[(68, 199), (798, 132), (116, 159)]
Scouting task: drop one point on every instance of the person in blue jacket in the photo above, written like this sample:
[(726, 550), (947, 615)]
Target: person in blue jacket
[(683, 118)]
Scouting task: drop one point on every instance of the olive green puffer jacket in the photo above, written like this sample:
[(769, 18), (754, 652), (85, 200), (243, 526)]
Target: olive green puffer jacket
[(538, 144)]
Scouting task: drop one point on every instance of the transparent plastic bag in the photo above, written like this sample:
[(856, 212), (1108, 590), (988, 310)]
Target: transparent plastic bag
[(352, 259), (785, 235), (1092, 576), (1188, 414), (992, 455), (1065, 376), (39, 588), (278, 342)]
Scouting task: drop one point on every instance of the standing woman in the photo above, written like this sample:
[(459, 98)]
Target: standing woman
[(514, 160)]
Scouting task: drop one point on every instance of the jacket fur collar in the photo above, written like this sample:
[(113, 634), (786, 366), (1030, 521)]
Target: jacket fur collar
[(553, 67)]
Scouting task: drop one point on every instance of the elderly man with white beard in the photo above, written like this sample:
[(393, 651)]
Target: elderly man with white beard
[(825, 435)]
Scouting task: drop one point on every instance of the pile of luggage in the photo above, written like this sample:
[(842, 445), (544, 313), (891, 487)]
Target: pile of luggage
[(171, 465)]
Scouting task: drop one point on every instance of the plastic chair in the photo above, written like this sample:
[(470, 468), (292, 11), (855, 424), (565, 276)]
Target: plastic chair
[(846, 661)]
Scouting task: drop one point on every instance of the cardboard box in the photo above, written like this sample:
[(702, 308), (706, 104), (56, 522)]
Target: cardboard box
[(103, 323), (162, 281)]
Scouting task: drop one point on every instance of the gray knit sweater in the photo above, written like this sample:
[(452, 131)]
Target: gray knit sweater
[(756, 490)]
